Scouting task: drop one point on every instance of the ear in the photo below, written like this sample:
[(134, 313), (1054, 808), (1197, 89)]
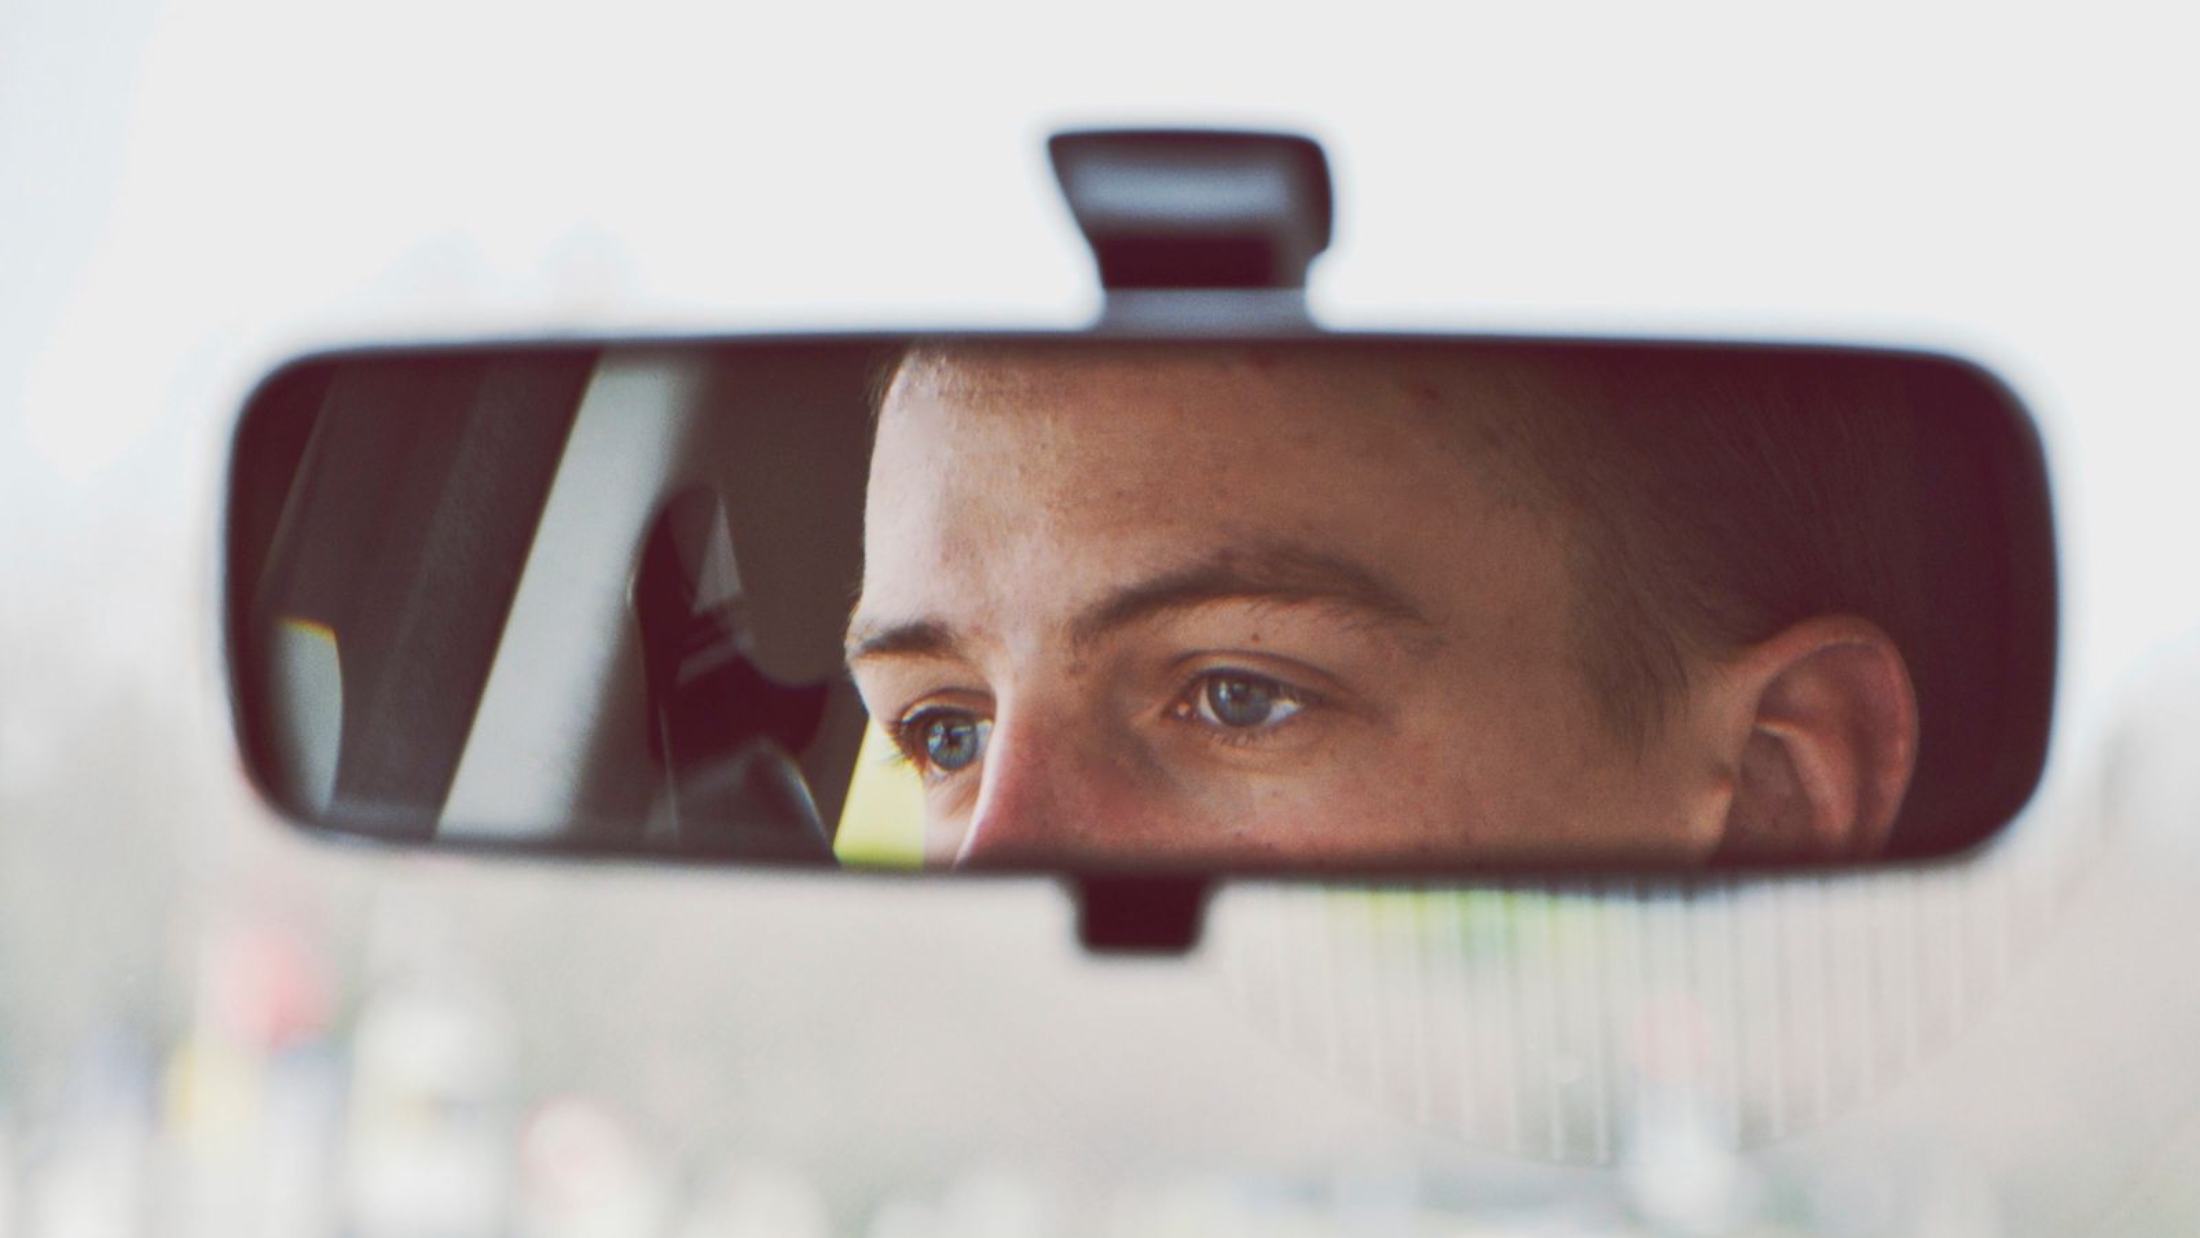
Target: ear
[(1824, 743)]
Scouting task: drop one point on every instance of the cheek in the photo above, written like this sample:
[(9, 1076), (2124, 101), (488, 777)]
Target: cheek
[(1366, 797), (943, 837), (1491, 760), (1546, 780)]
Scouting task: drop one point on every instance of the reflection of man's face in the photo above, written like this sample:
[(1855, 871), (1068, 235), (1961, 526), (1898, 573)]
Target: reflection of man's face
[(1232, 605), (1211, 605)]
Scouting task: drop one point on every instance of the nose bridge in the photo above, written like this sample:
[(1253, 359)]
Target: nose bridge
[(1038, 791)]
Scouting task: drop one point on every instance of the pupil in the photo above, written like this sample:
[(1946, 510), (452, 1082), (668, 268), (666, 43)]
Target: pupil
[(951, 743), (1240, 701)]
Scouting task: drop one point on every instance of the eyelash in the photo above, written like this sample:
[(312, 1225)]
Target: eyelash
[(906, 732)]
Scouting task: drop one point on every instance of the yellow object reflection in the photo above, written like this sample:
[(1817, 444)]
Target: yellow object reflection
[(882, 823)]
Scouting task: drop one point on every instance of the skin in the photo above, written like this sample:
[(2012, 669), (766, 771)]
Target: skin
[(1078, 558)]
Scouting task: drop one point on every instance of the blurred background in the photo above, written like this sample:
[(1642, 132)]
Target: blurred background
[(210, 1025)]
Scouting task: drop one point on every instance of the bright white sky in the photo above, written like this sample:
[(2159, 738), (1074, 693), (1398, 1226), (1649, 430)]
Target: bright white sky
[(196, 190)]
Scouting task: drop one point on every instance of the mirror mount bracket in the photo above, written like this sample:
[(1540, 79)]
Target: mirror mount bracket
[(1141, 913), (1203, 311), (1197, 229)]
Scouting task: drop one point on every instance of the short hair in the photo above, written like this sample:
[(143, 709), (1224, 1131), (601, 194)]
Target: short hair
[(1722, 496)]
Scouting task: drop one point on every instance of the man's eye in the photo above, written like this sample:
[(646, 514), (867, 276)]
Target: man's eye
[(945, 740), (1237, 701)]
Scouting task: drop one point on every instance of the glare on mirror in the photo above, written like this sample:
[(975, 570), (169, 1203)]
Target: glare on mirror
[(1059, 603)]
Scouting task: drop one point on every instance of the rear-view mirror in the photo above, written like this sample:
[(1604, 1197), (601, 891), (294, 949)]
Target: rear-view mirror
[(1285, 603)]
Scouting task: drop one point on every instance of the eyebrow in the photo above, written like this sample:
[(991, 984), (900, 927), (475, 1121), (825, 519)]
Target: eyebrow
[(1276, 573)]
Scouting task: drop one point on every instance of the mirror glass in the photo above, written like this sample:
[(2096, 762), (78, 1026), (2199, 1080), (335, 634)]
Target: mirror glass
[(1316, 604)]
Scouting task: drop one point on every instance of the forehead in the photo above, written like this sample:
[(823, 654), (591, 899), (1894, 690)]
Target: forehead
[(1044, 474), (1153, 412), (1430, 386)]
